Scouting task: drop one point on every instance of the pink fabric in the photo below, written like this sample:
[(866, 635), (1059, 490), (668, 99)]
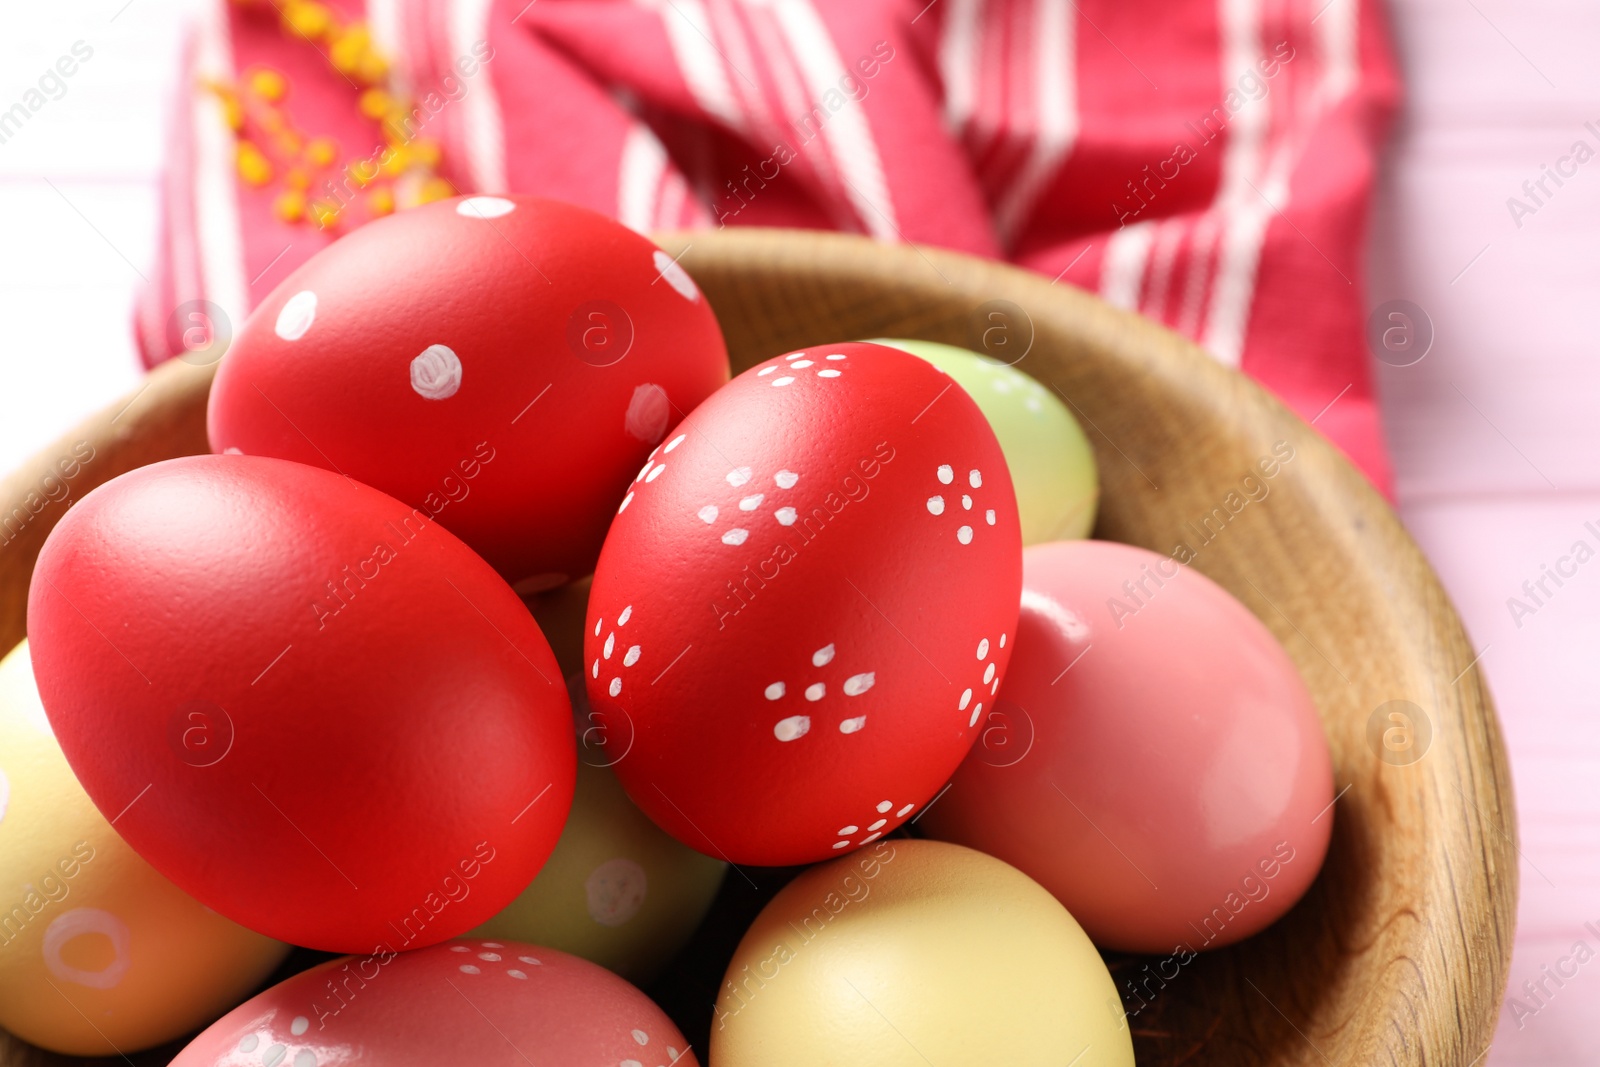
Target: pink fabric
[(1205, 162)]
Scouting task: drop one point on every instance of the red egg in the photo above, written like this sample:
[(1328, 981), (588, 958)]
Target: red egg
[(1155, 760), (309, 706), (502, 363), (805, 604), (485, 1003)]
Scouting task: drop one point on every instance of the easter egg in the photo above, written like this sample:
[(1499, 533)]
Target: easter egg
[(488, 1003), (98, 952), (1156, 761), (804, 605), (912, 952), (503, 363), (1051, 461), (303, 701)]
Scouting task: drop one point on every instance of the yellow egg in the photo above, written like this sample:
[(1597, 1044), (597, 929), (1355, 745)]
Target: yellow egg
[(916, 952), (616, 891), (1051, 461), (98, 952)]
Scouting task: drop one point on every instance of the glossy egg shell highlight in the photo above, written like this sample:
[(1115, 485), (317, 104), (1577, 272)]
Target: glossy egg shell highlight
[(1155, 761), (310, 707), (503, 363), (803, 607), (488, 1003)]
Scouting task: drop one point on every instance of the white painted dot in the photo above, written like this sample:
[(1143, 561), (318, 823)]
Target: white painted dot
[(785, 516), (517, 974), (594, 672), (530, 959), (946, 474), (493, 944), (436, 373), (750, 503), (846, 831), (249, 1043), (708, 514), (994, 687), (674, 443), (975, 479), (857, 684), (829, 373), (764, 371), (616, 686), (622, 620), (983, 649), (274, 1055), (298, 313), (299, 1025), (988, 674), (964, 535), (841, 844), (903, 812), (735, 536), (489, 957), (1002, 640), (816, 691), (785, 380), (611, 643), (738, 476), (966, 502), (459, 948), (776, 690), (988, 516), (786, 479), (485, 207), (792, 356), (822, 656), (870, 838), (651, 462), (966, 698), (632, 657), (305, 1058), (675, 275), (879, 825), (936, 505), (977, 713), (631, 1063), (467, 968), (653, 475), (850, 726), (800, 364), (884, 805), (625, 502), (641, 1037), (792, 727)]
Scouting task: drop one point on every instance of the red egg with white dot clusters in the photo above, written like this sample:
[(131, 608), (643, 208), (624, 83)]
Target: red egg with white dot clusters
[(487, 1003), (501, 362), (304, 702), (804, 605)]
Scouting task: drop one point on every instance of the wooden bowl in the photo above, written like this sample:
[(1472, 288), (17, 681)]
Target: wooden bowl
[(1399, 952)]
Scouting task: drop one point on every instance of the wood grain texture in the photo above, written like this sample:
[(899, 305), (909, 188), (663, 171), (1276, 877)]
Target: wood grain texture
[(1399, 952)]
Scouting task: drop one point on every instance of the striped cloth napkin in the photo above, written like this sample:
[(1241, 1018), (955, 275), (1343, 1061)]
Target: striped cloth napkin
[(1207, 163)]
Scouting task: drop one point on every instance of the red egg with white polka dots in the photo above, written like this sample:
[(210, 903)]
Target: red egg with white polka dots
[(487, 1003), (804, 604), (503, 363)]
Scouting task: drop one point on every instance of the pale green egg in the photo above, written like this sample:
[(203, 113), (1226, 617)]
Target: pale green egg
[(1051, 461)]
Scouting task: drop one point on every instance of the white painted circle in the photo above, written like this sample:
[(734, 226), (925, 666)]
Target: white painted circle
[(79, 922), (791, 728), (675, 275), (436, 373)]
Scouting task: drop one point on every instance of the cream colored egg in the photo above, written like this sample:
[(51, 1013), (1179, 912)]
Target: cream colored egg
[(916, 952), (98, 952), (1051, 461), (616, 891)]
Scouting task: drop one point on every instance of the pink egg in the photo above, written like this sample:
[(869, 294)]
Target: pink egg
[(1154, 760), (487, 1003)]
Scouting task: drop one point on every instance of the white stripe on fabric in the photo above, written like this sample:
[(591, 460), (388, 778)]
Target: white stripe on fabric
[(216, 207), (1123, 268), (959, 61), (639, 177), (482, 128), (846, 131), (1055, 77), (688, 27)]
